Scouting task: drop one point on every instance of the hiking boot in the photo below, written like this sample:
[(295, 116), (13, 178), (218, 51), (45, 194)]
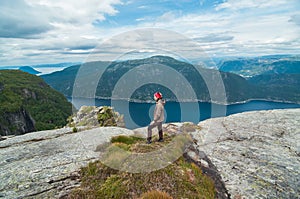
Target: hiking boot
[(149, 140), (160, 134)]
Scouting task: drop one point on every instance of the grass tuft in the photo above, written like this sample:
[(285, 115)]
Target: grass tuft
[(129, 140)]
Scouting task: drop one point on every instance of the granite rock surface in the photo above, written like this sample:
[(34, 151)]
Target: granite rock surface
[(257, 153)]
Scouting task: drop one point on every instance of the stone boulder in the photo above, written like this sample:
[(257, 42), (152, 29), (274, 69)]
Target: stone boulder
[(93, 116)]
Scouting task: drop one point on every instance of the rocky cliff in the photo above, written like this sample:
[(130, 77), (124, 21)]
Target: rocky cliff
[(255, 153), (21, 120), (27, 104)]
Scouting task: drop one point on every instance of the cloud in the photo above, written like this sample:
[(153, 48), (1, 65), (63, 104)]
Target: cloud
[(78, 52), (42, 31), (83, 47), (77, 12), (18, 20), (35, 31), (295, 19), (247, 4), (168, 16), (33, 54), (143, 7), (214, 37), (241, 29), (15, 29), (140, 19), (29, 18)]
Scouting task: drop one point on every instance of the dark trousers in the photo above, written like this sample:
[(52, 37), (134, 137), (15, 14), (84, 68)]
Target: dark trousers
[(159, 128)]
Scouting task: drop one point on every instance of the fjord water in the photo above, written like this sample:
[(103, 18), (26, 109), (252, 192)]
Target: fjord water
[(140, 114)]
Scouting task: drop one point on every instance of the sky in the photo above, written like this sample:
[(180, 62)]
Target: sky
[(54, 31)]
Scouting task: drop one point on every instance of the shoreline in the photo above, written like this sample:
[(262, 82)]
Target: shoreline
[(187, 101)]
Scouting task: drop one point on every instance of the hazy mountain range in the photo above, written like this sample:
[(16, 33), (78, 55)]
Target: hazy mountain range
[(249, 67), (40, 69), (270, 78)]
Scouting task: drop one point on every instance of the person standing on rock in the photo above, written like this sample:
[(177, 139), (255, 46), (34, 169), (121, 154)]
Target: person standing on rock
[(158, 118)]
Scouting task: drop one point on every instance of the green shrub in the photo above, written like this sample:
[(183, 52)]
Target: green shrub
[(74, 130), (106, 117)]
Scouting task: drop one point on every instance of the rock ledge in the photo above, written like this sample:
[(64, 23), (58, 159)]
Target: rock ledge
[(256, 153)]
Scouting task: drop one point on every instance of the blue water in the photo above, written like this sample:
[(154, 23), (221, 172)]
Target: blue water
[(140, 114)]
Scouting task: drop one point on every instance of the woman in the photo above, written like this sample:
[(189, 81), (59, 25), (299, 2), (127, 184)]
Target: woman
[(158, 118)]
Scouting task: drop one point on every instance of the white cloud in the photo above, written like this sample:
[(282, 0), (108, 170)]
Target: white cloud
[(30, 18), (78, 12), (64, 30), (243, 4), (54, 26), (168, 16), (18, 20), (140, 19), (266, 28), (246, 32), (143, 7)]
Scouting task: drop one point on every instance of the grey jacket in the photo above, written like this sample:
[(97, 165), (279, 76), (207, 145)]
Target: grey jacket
[(159, 114)]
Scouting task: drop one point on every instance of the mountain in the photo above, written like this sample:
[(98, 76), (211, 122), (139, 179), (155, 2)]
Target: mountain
[(29, 70), (56, 65), (28, 104), (284, 67), (249, 67), (276, 78), (281, 87), (63, 80), (236, 87)]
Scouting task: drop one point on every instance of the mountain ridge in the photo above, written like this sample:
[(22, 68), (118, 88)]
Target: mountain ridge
[(115, 70), (237, 88)]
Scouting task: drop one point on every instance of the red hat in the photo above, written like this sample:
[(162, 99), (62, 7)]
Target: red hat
[(158, 95)]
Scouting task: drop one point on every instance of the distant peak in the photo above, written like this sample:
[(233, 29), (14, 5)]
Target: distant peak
[(162, 57), (29, 70)]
